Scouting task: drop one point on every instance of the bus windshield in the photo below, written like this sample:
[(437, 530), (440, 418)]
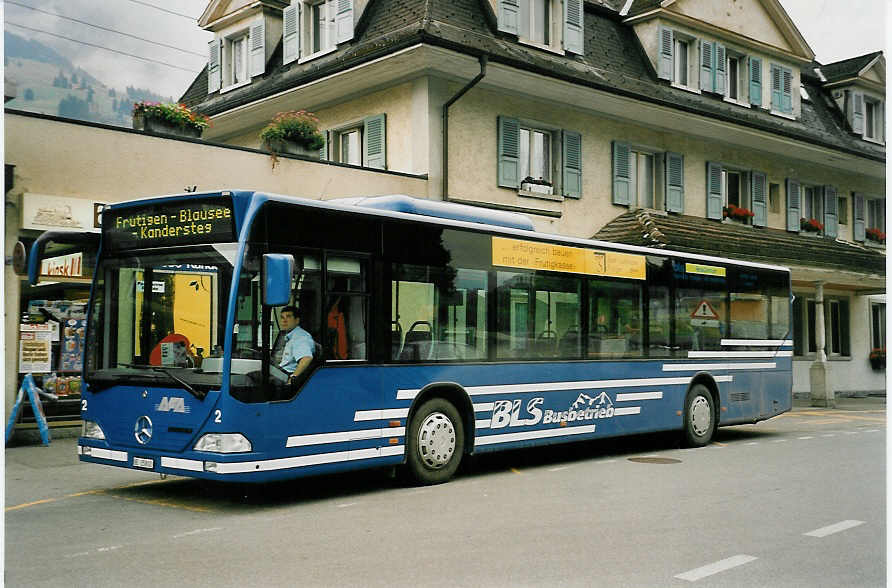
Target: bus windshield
[(157, 318)]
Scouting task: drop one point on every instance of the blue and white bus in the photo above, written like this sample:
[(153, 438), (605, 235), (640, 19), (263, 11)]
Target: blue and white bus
[(440, 330)]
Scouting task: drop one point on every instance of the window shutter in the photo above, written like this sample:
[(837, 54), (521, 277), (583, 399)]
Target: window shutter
[(509, 150), (776, 89), (622, 173), (707, 65), (574, 27), (290, 38), (758, 187), (713, 190), (720, 68), (755, 81), (323, 151), (508, 16), (523, 18), (213, 66), (258, 47), (345, 20), (858, 226), (787, 90), (666, 66), (858, 112), (793, 205), (881, 124), (674, 182), (571, 183), (831, 212), (374, 142)]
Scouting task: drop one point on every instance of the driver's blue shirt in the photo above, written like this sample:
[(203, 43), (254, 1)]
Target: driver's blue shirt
[(298, 344)]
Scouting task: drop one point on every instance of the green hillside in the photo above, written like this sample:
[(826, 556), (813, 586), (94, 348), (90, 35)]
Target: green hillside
[(50, 84)]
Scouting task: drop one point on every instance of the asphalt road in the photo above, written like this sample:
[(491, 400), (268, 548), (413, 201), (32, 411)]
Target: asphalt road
[(795, 501)]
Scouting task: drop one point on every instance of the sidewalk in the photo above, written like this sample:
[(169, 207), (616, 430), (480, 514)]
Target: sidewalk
[(844, 403)]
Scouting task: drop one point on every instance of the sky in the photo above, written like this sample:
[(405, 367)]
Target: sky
[(835, 29)]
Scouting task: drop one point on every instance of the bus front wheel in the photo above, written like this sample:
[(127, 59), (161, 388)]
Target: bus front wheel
[(699, 417), (436, 442)]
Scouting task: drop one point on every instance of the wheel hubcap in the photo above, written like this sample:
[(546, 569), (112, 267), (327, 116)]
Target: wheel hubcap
[(701, 416), (436, 440)]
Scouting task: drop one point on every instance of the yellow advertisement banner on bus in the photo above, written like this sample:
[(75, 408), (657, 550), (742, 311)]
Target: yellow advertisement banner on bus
[(561, 258)]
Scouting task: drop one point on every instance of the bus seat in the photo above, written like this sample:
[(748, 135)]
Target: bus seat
[(396, 339), (568, 346), (417, 345), (546, 343)]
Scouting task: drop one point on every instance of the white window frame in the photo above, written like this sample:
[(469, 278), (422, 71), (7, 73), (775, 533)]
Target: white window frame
[(873, 132), (880, 325), (335, 138), (872, 207), (555, 158), (829, 302), (329, 42), (553, 26), (227, 57), (744, 187), (811, 198), (743, 77), (692, 84), (636, 155)]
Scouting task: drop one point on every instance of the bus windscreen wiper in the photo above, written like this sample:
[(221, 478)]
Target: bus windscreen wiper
[(156, 368)]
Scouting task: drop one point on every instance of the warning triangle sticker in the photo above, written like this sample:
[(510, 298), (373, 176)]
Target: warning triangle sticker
[(704, 310)]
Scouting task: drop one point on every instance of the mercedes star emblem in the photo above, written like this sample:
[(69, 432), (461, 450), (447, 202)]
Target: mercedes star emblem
[(143, 430)]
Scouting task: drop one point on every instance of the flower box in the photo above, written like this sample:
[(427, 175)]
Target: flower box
[(875, 235), (168, 119), (537, 186), (877, 359), (738, 213), (294, 133), (810, 225), (290, 148)]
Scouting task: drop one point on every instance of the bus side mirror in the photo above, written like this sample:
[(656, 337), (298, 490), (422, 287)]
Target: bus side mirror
[(278, 269)]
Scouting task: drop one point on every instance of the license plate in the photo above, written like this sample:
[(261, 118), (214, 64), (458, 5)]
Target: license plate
[(143, 462)]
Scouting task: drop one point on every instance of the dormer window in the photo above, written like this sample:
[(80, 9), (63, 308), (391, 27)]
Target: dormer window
[(236, 55), (548, 24), (312, 28)]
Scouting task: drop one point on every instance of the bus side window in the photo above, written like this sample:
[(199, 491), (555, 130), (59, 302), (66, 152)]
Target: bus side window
[(346, 309)]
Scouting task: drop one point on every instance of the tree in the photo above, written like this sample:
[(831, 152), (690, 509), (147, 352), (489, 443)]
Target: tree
[(73, 107)]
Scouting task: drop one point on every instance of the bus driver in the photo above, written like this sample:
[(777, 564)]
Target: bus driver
[(299, 345)]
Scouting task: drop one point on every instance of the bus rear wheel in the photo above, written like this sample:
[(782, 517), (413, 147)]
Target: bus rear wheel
[(436, 442), (699, 417)]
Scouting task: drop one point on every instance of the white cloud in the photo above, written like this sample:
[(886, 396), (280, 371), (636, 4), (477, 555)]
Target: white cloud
[(839, 29), (135, 18)]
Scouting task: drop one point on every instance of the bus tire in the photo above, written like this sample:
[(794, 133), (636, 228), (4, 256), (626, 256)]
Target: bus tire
[(699, 416), (435, 442)]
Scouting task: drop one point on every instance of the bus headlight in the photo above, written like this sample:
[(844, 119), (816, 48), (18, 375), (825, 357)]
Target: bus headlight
[(223, 443), (91, 430)]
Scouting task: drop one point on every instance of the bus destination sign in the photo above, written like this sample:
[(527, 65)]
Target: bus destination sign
[(560, 258), (183, 222)]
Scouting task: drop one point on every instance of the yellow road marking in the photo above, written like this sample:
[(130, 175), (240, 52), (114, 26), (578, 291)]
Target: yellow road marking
[(85, 493), (515, 470), (720, 444), (158, 502)]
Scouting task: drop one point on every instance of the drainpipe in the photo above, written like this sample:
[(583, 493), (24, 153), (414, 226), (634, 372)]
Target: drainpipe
[(450, 102)]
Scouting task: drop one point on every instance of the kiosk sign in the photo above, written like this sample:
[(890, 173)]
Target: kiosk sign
[(163, 224)]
